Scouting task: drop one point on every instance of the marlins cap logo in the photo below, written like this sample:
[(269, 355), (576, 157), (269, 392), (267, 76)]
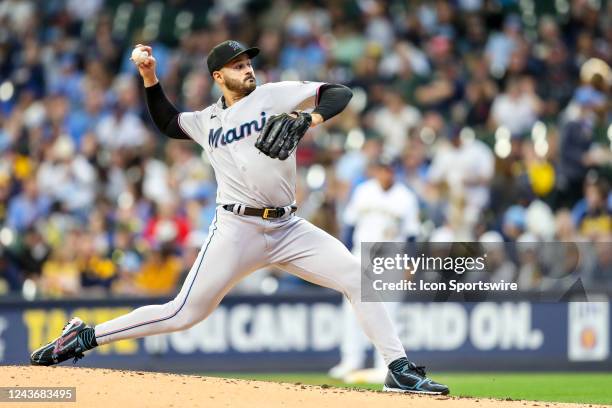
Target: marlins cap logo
[(235, 45)]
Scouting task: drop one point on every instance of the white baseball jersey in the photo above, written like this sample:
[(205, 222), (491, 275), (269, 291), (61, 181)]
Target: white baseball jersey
[(382, 216), (244, 174)]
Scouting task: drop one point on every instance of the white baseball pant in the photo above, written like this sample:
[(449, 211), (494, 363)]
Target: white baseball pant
[(238, 245)]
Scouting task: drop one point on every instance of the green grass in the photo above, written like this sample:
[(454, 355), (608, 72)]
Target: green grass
[(586, 388)]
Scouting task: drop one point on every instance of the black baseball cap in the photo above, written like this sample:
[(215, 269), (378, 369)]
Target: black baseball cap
[(223, 53)]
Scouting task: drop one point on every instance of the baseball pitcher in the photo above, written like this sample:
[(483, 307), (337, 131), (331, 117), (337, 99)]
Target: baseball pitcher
[(250, 135)]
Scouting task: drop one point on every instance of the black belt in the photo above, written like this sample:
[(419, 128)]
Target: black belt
[(265, 213)]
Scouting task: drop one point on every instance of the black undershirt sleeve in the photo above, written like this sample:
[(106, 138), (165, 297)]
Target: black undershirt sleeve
[(164, 114), (332, 100)]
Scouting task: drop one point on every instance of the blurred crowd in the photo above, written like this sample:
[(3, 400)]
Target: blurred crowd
[(496, 113)]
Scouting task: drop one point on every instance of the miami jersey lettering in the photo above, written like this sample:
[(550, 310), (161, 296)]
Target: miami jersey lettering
[(216, 136)]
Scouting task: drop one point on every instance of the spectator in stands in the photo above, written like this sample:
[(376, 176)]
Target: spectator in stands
[(167, 225), (302, 54), (593, 214), (26, 256), (517, 108), (121, 129), (67, 177), (445, 87), (124, 249), (65, 78), (97, 271), (61, 275), (159, 273), (87, 117), (394, 121), (27, 207), (576, 141), (500, 45)]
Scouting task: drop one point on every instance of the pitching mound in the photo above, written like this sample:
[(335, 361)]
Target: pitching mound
[(116, 388)]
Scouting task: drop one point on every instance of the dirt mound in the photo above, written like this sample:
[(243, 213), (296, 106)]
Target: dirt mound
[(117, 388)]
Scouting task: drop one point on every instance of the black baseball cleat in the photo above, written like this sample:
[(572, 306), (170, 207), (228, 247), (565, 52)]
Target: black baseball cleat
[(405, 376), (68, 345)]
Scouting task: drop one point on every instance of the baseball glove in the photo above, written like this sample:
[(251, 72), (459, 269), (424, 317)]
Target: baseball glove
[(282, 133)]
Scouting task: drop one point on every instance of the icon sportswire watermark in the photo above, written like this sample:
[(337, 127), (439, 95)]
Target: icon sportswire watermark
[(472, 271)]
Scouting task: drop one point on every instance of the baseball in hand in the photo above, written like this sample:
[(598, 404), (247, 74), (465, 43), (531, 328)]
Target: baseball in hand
[(139, 56)]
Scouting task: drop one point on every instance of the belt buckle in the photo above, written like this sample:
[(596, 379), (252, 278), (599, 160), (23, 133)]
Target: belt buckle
[(266, 213)]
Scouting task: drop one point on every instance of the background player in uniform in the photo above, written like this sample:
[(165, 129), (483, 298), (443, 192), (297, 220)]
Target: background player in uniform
[(251, 152), (380, 210)]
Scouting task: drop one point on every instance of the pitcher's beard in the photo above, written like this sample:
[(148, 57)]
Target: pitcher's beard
[(240, 87)]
